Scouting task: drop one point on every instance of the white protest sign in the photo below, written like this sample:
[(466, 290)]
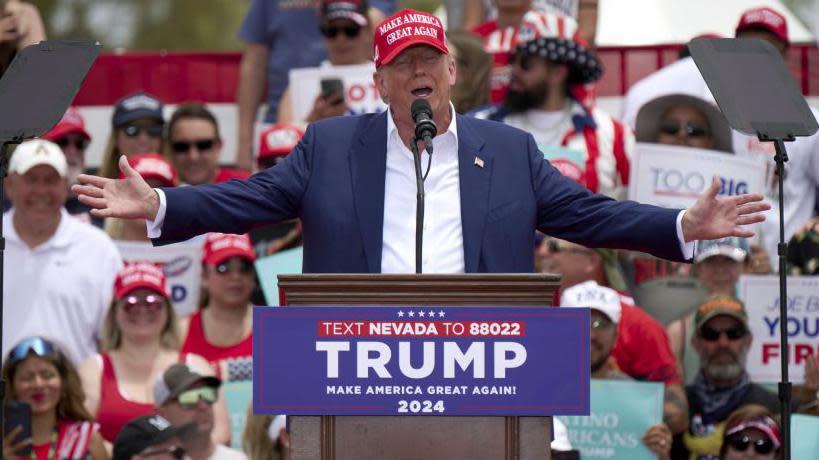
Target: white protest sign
[(761, 297), (360, 92), (672, 176), (183, 268)]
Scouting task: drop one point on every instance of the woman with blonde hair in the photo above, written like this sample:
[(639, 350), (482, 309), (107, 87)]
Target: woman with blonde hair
[(140, 339), (137, 126), (40, 375)]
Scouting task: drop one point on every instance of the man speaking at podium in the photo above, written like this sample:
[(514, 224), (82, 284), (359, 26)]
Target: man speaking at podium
[(352, 182)]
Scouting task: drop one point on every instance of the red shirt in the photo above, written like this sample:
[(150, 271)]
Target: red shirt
[(226, 174), (500, 44), (232, 362), (642, 349), (115, 411)]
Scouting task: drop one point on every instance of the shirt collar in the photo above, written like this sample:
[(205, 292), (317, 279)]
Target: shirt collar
[(61, 238), (392, 130)]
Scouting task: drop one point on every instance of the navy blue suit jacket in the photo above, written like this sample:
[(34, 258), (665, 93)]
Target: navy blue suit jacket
[(334, 182)]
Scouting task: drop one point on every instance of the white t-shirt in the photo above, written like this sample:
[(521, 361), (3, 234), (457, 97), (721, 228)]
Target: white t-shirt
[(60, 289), (226, 453)]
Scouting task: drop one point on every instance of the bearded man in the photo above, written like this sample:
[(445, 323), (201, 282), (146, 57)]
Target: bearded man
[(722, 340)]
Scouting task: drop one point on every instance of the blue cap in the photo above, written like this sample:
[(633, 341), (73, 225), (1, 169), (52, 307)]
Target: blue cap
[(135, 106)]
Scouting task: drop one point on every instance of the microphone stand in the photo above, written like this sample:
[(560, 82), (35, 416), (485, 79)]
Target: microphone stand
[(419, 205)]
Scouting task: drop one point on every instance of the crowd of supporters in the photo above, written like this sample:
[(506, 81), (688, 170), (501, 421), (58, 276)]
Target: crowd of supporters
[(93, 342)]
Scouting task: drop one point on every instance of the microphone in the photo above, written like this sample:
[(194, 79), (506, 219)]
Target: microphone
[(425, 128)]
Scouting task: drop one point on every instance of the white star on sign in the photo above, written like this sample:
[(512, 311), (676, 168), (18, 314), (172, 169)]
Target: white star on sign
[(441, 314), (411, 313), (431, 314), (421, 313), (400, 314)]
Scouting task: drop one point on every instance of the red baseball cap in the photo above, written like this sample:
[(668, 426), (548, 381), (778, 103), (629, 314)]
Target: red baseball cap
[(764, 18), (222, 246), (71, 123), (141, 274), (278, 140), (153, 166), (404, 29)]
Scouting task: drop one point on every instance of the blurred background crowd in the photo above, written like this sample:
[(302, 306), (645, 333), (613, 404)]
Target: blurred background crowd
[(127, 350)]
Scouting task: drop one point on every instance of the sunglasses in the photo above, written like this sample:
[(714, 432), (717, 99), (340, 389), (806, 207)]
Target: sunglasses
[(689, 129), (185, 147), (523, 61), (740, 443), (80, 143), (349, 31), (712, 335), (177, 452), (244, 266), (150, 303), (190, 398), (37, 345), (150, 130)]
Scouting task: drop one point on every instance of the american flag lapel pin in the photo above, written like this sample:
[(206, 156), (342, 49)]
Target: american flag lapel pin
[(478, 162)]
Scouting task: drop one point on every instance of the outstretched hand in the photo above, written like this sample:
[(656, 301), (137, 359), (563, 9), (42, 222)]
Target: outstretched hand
[(128, 198), (713, 217)]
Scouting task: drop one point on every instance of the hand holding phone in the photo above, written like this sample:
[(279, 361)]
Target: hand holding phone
[(16, 429)]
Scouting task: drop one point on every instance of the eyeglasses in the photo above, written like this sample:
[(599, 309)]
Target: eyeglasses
[(740, 443), (176, 452), (689, 129), (150, 303), (599, 324), (712, 335), (184, 147), (190, 398), (37, 345), (150, 130), (244, 266), (349, 31), (80, 143)]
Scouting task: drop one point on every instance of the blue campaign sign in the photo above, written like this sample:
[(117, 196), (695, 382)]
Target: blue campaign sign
[(421, 361)]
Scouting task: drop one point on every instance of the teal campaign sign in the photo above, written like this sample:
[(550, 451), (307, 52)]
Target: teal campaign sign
[(621, 412), (269, 268), (238, 396), (805, 436)]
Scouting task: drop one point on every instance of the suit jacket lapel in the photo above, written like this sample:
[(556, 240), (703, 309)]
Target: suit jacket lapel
[(368, 166), (475, 168)]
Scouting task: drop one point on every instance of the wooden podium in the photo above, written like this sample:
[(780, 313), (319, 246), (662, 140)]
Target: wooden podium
[(419, 437)]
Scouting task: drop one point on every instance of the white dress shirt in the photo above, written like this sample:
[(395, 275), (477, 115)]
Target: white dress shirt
[(443, 247), (443, 234)]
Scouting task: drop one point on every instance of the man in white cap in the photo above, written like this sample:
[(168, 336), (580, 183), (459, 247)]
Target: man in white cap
[(605, 314), (58, 271)]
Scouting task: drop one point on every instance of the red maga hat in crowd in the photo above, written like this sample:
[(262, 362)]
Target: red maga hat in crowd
[(404, 29), (71, 123), (767, 19), (278, 140), (153, 166), (137, 275), (222, 246)]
